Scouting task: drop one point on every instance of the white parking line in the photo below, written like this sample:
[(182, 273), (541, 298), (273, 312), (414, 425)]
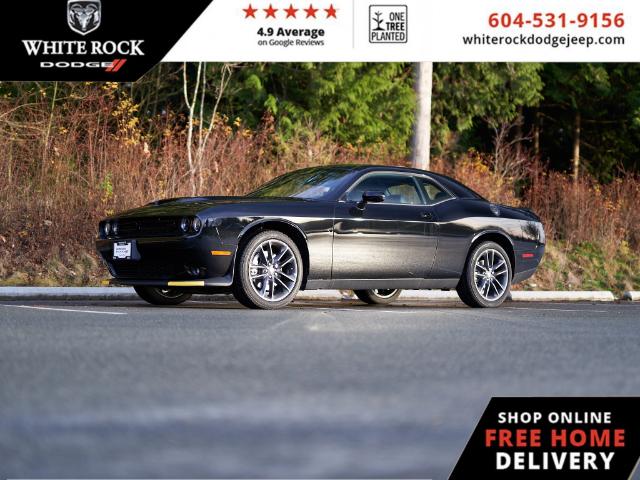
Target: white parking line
[(372, 310), (65, 310), (440, 310), (584, 310)]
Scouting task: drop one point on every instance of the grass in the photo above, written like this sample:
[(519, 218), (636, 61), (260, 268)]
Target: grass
[(83, 269), (586, 266)]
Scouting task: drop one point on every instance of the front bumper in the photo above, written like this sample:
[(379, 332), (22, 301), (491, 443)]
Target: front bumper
[(207, 283), (196, 261)]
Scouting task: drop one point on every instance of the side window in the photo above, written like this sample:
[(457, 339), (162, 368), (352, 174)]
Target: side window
[(432, 192), (396, 189)]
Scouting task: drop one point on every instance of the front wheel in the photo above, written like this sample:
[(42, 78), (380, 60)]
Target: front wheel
[(162, 296), (487, 276), (269, 272), (379, 296)]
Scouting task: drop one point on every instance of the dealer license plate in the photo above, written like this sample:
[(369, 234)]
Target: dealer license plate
[(122, 251)]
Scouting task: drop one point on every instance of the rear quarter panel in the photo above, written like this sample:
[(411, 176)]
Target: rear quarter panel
[(462, 221)]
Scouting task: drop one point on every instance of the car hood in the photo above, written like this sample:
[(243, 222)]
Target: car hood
[(193, 205)]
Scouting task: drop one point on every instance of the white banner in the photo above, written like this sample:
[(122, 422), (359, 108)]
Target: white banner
[(413, 30)]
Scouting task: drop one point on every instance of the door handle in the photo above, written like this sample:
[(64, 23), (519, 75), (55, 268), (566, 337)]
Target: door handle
[(427, 215)]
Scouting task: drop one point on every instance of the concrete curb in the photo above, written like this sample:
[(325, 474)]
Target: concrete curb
[(631, 296), (127, 293), (558, 296)]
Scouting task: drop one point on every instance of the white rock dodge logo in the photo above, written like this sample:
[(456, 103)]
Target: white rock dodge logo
[(84, 16)]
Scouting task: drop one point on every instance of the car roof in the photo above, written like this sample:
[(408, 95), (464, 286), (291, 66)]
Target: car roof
[(390, 168), (384, 168), (348, 167), (452, 184), (354, 170)]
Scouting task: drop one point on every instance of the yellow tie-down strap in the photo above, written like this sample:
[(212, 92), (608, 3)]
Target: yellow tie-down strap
[(186, 283), (221, 253)]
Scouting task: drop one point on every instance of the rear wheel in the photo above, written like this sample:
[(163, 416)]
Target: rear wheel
[(162, 296), (486, 280), (269, 272), (379, 296)]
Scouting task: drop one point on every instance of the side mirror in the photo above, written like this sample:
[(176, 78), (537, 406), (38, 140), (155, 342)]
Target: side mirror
[(370, 197)]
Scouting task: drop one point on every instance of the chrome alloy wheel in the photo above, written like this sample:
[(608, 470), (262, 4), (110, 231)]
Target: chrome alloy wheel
[(385, 292), (273, 270), (491, 275)]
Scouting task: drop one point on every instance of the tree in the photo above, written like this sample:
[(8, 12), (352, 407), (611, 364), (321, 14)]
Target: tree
[(591, 114), (361, 104), (420, 157), (195, 100), (375, 106), (576, 89), (466, 94)]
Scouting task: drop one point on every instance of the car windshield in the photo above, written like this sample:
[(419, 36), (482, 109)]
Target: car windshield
[(310, 183)]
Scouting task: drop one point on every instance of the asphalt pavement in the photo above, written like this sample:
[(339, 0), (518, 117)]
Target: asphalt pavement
[(123, 389)]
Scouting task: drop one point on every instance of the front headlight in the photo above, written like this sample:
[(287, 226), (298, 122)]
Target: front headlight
[(184, 224), (114, 228), (107, 229), (196, 225)]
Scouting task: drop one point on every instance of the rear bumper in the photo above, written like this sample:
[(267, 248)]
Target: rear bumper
[(527, 262), (196, 261)]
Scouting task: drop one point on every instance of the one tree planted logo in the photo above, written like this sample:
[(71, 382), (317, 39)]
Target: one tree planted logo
[(388, 23)]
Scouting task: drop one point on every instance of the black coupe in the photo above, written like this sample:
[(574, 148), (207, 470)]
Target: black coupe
[(371, 229)]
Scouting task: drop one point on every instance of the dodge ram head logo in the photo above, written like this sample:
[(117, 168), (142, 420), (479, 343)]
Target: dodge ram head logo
[(83, 16)]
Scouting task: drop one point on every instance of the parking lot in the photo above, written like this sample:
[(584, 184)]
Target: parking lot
[(210, 389)]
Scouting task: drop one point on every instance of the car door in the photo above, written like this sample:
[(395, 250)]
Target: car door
[(394, 239), (437, 199)]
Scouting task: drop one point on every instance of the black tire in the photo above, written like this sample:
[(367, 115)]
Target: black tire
[(162, 296), (378, 296), (468, 289), (244, 289)]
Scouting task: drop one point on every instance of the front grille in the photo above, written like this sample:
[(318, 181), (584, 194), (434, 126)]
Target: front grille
[(149, 227)]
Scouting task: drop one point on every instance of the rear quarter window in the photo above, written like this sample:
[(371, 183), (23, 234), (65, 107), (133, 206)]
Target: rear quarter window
[(458, 189)]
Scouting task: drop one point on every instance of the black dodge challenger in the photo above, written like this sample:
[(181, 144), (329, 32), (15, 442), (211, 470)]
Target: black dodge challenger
[(371, 229)]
